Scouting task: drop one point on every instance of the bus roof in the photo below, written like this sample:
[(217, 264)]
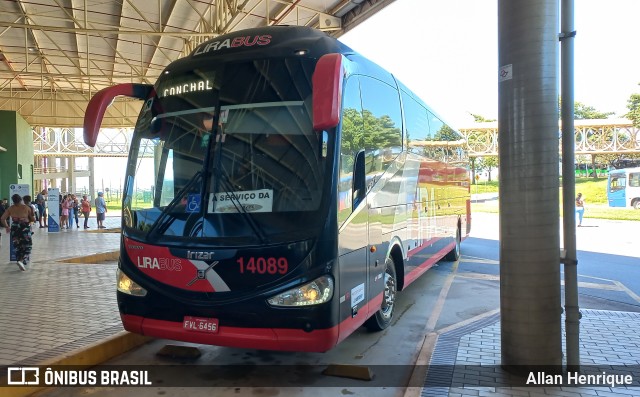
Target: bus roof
[(274, 41), (621, 171)]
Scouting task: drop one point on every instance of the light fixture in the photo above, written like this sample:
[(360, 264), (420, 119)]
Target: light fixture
[(316, 292)]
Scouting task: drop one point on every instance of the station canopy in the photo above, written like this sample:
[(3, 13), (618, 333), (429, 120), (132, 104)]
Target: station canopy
[(55, 54)]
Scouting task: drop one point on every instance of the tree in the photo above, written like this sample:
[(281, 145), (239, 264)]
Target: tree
[(487, 163), (474, 169), (446, 133), (480, 119), (585, 112), (450, 139), (615, 158), (633, 104), (352, 131), (380, 132)]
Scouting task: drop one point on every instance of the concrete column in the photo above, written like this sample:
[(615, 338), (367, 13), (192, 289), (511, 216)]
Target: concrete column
[(64, 181), (92, 180), (71, 171), (530, 301), (44, 163)]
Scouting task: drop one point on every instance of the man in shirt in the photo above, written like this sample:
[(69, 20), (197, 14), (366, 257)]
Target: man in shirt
[(101, 210), (41, 203)]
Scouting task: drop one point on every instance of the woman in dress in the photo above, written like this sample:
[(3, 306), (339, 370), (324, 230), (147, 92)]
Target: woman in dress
[(580, 208), (21, 218), (64, 212)]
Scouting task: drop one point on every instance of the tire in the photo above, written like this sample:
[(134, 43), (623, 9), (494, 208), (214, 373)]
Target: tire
[(454, 254), (636, 204), (382, 318)]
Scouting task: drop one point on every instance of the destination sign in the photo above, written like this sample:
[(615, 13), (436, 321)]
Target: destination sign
[(185, 88)]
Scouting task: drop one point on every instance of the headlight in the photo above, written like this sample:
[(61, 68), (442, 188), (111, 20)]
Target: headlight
[(128, 286), (316, 292)]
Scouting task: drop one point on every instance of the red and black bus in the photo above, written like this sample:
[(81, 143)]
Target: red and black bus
[(280, 190)]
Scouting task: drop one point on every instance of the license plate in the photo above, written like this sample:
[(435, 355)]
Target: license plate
[(200, 324)]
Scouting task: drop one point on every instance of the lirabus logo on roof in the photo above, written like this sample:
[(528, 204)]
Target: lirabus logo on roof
[(240, 41)]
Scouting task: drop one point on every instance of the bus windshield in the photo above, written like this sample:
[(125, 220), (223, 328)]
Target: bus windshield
[(227, 150)]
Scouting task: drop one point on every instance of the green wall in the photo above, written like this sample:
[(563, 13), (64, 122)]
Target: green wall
[(17, 138)]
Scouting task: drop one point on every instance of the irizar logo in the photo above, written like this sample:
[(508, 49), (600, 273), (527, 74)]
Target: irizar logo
[(170, 264), (200, 255)]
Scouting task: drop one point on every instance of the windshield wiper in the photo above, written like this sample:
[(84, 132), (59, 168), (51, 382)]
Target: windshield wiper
[(164, 220), (221, 177), (226, 185)]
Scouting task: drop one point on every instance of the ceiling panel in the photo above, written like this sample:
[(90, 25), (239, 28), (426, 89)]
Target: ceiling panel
[(54, 54)]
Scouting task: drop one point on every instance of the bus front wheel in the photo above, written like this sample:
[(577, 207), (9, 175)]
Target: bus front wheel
[(382, 318), (636, 204)]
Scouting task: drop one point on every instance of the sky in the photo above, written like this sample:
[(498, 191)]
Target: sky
[(446, 51)]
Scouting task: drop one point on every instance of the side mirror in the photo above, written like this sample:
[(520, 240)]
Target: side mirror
[(100, 102), (359, 180), (327, 91)]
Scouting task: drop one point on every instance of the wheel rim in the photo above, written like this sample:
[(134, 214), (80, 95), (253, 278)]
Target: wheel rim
[(389, 297)]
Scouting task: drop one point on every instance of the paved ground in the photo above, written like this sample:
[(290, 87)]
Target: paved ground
[(469, 358), (56, 308)]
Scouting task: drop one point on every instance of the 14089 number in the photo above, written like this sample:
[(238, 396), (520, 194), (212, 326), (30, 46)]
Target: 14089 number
[(262, 265)]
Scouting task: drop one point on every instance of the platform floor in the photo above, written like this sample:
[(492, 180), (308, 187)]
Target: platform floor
[(58, 309)]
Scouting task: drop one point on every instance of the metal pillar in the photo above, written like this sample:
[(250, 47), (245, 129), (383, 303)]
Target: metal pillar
[(572, 311), (71, 172), (530, 294), (64, 181)]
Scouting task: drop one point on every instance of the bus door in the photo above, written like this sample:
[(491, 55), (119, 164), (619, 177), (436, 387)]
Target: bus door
[(617, 189), (385, 178), (353, 248), (379, 223), (353, 217)]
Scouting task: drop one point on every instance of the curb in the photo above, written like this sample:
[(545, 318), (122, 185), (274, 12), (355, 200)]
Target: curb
[(93, 354), (484, 199), (105, 230), (100, 257), (427, 348)]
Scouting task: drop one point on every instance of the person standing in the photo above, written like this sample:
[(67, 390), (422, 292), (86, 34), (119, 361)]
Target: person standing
[(580, 208), (85, 206), (34, 210), (20, 229), (64, 212), (101, 210), (75, 206), (41, 202)]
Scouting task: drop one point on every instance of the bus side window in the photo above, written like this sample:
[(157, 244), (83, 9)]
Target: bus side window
[(618, 183), (417, 123), (383, 126), (351, 141)]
